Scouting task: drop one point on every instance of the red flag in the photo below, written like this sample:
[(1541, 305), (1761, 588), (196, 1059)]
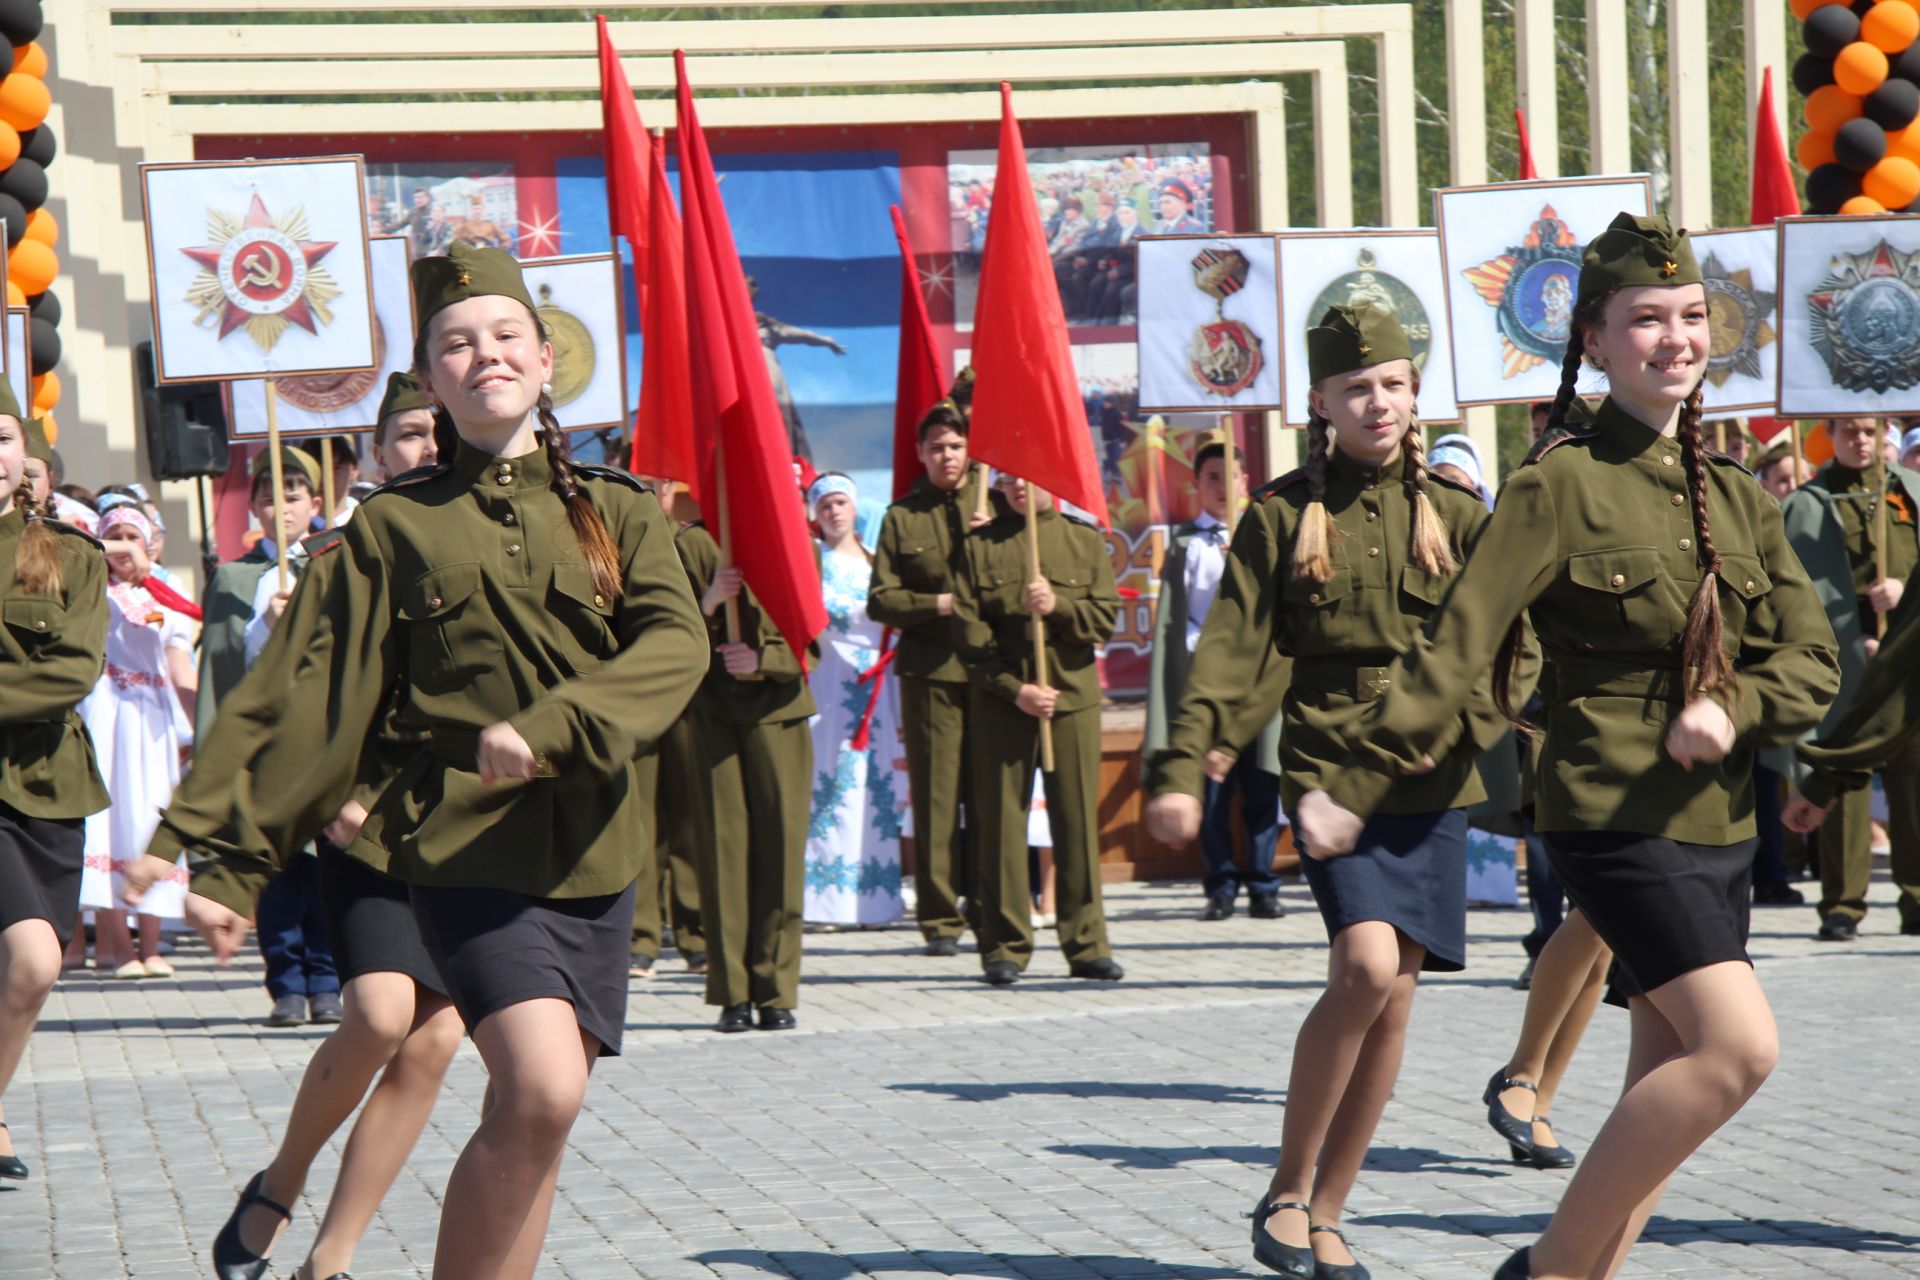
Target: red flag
[(746, 470), (663, 442), (1765, 429), (1028, 417), (1526, 146), (1773, 193), (625, 144), (918, 385)]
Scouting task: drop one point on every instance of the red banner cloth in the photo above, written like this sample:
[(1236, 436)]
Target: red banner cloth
[(918, 384), (1773, 193), (625, 144), (1527, 170), (877, 675), (663, 443)]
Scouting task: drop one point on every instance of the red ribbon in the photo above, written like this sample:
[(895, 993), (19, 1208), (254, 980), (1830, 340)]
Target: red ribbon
[(863, 734), (171, 599)]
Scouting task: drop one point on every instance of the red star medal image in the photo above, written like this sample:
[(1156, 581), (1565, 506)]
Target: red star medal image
[(259, 273)]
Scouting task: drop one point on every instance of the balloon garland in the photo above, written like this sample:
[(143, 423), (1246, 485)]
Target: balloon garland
[(1861, 78), (33, 236)]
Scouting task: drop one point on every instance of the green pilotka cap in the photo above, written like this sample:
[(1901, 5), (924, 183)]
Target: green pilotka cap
[(292, 462), (404, 392), (465, 272), (1354, 337), (1636, 251), (38, 445)]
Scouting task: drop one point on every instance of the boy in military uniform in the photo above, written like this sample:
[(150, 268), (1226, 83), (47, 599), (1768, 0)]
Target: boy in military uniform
[(1832, 522), (919, 555), (994, 601)]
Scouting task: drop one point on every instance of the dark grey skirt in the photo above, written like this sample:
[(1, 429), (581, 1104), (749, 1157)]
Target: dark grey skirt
[(494, 948), (370, 921), (1408, 869), (41, 860)]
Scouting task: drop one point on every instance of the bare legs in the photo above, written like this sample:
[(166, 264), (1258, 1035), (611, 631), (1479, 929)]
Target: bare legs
[(1569, 978), (29, 963), (1345, 1060), (494, 1219), (1702, 1045)]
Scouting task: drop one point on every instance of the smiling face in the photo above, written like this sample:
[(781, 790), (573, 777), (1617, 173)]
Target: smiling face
[(1369, 409), (13, 456), (1652, 343), (486, 364)]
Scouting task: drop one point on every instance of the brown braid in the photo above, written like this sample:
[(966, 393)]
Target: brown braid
[(1313, 540), (1703, 654), (1428, 539), (36, 564)]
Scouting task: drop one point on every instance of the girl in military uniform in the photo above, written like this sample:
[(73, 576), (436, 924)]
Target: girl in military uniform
[(53, 639), (541, 623), (1649, 568), (1332, 573)]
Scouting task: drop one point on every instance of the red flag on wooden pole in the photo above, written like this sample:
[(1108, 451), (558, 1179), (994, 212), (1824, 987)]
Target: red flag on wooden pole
[(746, 470), (1773, 193), (663, 442), (1526, 146), (624, 142), (918, 384), (1028, 417)]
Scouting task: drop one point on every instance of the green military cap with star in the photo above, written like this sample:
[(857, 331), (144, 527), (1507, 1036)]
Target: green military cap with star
[(465, 272), (404, 392), (1637, 250), (1354, 337)]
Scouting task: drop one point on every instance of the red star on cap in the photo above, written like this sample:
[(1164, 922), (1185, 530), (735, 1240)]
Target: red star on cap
[(296, 312)]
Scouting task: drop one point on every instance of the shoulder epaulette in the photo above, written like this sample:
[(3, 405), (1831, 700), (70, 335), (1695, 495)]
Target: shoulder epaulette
[(1553, 437), (1722, 460), (689, 526), (1275, 485), (1079, 519), (611, 473), (408, 478), (324, 541), (61, 526), (1436, 478)]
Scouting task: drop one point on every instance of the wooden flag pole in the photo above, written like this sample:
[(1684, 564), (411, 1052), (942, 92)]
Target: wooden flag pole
[(1720, 436), (278, 532), (326, 481), (1880, 526), (1233, 472), (1038, 623), (726, 531), (1793, 447), (983, 501)]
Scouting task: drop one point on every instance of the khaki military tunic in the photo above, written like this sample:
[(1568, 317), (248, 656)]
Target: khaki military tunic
[(994, 640), (1881, 717), (52, 650)]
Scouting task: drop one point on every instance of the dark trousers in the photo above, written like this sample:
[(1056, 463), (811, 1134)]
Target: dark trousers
[(291, 924), (1259, 793), (1544, 895), (1770, 856)]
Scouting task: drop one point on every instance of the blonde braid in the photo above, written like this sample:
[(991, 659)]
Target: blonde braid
[(1428, 542), (1313, 540)]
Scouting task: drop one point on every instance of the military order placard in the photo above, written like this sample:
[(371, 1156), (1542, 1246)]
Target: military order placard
[(579, 300), (1849, 316), (1209, 319), (1742, 271)]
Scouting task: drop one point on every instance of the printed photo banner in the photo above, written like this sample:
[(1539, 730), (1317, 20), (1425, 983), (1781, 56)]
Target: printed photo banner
[(1511, 253), (1209, 317), (1742, 271), (258, 269), (579, 300), (1397, 270), (1849, 309), (336, 403), (19, 362)]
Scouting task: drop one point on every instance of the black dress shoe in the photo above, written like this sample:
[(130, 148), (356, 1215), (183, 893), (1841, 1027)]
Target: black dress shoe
[(1000, 973), (777, 1019), (1517, 1131), (1838, 927), (1104, 969), (11, 1166), (1336, 1270), (943, 946), (697, 962), (325, 1009), (1294, 1261), (1219, 907), (735, 1017), (1519, 1266), (1552, 1156), (1777, 895), (1266, 906), (232, 1260), (288, 1011)]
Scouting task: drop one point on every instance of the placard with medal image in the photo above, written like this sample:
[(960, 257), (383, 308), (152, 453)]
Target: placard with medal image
[(1849, 316), (1397, 270), (1511, 252), (339, 403), (1742, 271), (258, 268), (1209, 314), (579, 300)]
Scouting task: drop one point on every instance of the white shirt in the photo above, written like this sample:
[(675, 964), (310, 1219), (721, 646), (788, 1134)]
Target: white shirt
[(258, 628), (1206, 560)]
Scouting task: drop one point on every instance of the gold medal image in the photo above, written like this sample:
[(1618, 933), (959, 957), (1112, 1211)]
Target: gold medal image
[(573, 353), (1224, 357), (1367, 283)]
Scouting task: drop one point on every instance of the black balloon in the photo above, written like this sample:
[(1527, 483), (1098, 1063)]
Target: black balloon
[(1829, 29), (1830, 186), (1810, 72), (1858, 146), (14, 214), (20, 20), (6, 61), (38, 145), (1905, 65), (1893, 105), (45, 307), (44, 341), (1862, 8), (26, 182)]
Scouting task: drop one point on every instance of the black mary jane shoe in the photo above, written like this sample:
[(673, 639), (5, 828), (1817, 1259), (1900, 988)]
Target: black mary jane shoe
[(1543, 1157), (1294, 1261), (232, 1260), (777, 1019), (1519, 1266), (1337, 1270), (1517, 1132), (12, 1166), (735, 1017)]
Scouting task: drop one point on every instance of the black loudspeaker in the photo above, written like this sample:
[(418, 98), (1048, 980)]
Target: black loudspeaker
[(186, 424)]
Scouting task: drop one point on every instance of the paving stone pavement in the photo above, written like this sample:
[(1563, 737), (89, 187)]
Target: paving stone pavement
[(919, 1123)]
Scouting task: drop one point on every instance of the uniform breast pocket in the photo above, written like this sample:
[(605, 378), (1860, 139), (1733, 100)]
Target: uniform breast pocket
[(1420, 591), (1315, 609), (587, 612), (1747, 584), (1069, 588), (923, 565), (1623, 597), (33, 621), (451, 634)]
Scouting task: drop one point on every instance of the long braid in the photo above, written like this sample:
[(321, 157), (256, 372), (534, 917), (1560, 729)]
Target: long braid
[(1703, 655), (36, 562), (603, 557), (1428, 540), (1313, 541)]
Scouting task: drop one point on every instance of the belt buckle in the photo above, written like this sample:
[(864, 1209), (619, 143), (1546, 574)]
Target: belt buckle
[(1373, 683)]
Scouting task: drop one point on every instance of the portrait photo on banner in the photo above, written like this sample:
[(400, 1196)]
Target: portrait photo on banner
[(1209, 320), (1742, 271), (579, 300), (1396, 270), (1849, 310), (258, 269), (330, 403), (1511, 253)]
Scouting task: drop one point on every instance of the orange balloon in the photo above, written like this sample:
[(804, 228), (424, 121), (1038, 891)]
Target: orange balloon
[(1828, 107), (9, 146), (1803, 9), (1890, 28), (32, 265), (24, 101), (1861, 206), (42, 227), (16, 296), (52, 429), (1815, 149), (1894, 182), (30, 60), (1859, 68), (46, 392)]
